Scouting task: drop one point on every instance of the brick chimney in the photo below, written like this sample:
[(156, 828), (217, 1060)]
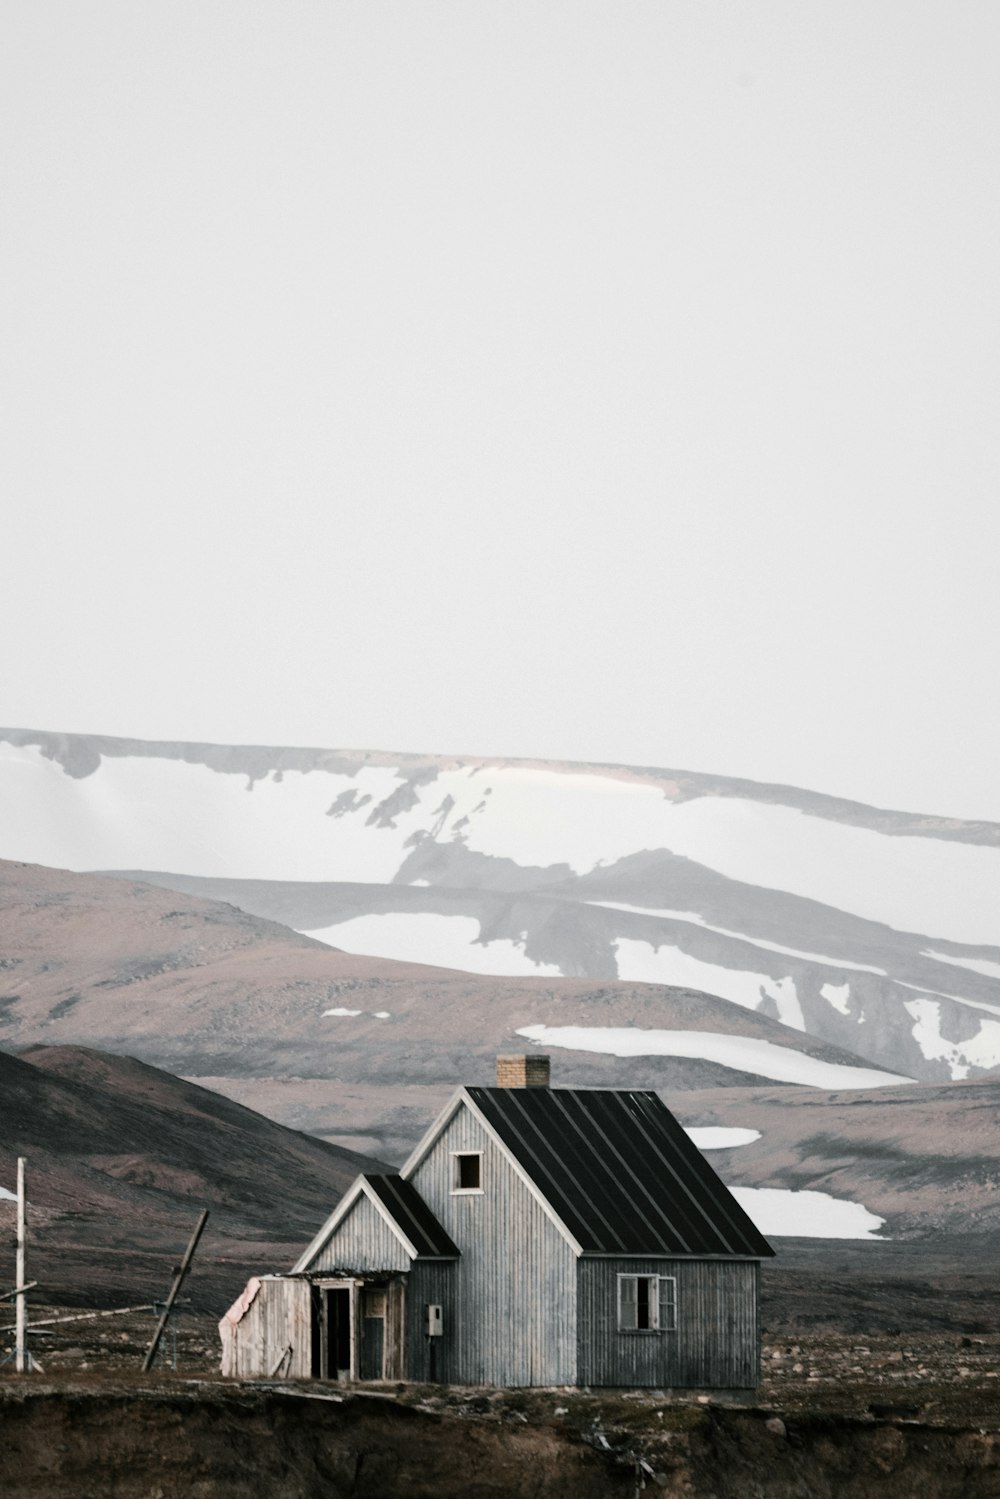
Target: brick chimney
[(523, 1071)]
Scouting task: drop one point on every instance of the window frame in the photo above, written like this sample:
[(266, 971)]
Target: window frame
[(661, 1308), (457, 1190)]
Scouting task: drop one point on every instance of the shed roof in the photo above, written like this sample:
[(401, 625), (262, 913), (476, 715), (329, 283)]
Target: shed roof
[(619, 1171), (414, 1218)]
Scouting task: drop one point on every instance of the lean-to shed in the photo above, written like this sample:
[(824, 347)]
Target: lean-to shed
[(536, 1236)]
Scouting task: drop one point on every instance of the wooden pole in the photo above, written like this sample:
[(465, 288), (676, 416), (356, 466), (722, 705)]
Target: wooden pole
[(20, 1298), (185, 1265)]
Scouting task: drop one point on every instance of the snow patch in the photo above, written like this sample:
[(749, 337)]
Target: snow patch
[(744, 1053), (7, 1196), (980, 1050), (838, 996), (340, 1011), (645, 963), (620, 905), (425, 937), (786, 1000), (806, 1215), (381, 1014), (976, 965), (723, 931), (720, 1136)]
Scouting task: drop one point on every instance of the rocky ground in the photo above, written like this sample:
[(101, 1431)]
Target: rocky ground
[(916, 1419), (880, 1377)]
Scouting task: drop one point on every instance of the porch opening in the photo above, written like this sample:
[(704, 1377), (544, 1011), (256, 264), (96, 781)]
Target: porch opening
[(331, 1332)]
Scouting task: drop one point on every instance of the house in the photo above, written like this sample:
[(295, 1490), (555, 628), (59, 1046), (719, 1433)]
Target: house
[(536, 1236)]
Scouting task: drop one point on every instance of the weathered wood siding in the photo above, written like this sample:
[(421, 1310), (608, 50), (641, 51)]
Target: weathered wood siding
[(430, 1283), (514, 1317), (277, 1320), (715, 1346), (363, 1241)]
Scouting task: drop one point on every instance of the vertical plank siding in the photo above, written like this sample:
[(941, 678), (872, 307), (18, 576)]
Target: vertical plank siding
[(715, 1344), (514, 1310), (520, 1306), (430, 1284), (277, 1319), (363, 1241)]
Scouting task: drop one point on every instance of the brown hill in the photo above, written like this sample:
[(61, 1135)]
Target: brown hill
[(122, 1157), (205, 990)]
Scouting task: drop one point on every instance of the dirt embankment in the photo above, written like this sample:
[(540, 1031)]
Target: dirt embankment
[(210, 1441)]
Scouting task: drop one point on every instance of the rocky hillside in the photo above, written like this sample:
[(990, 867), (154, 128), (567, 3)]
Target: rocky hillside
[(361, 1050), (121, 1159), (873, 930)]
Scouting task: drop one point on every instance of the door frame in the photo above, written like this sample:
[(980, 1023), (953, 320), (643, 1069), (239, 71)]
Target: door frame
[(394, 1334), (352, 1287)]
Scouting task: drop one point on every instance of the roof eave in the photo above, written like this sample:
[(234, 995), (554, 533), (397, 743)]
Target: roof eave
[(424, 1145), (340, 1212)]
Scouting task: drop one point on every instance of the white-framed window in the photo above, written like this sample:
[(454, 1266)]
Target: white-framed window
[(466, 1171), (647, 1303)]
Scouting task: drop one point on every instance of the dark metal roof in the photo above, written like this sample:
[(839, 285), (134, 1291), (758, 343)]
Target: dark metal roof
[(414, 1217), (620, 1172)]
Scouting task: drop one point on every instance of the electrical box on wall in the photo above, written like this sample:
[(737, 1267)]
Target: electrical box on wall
[(435, 1322)]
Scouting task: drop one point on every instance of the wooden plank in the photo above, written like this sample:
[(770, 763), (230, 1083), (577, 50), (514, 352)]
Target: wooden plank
[(716, 1342)]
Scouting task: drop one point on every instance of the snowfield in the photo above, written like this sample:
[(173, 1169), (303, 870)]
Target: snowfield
[(742, 1053), (139, 812)]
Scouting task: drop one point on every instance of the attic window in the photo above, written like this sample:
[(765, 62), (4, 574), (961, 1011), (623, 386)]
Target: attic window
[(647, 1303), (467, 1171)]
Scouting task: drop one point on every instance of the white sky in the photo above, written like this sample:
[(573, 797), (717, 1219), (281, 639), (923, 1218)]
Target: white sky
[(589, 380)]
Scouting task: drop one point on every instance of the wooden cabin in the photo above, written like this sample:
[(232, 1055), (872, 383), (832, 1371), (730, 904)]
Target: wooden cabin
[(536, 1236)]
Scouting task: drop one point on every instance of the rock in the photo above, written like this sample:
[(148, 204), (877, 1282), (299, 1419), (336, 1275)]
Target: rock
[(776, 1426)]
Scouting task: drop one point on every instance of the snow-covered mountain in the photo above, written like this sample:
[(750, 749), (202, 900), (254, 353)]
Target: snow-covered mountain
[(875, 930)]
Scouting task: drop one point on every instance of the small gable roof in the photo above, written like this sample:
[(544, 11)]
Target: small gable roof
[(403, 1209), (413, 1217), (619, 1172)]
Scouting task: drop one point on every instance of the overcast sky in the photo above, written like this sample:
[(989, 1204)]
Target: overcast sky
[(584, 380)]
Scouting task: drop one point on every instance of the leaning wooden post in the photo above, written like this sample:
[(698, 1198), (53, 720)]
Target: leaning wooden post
[(182, 1270), (20, 1296)]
